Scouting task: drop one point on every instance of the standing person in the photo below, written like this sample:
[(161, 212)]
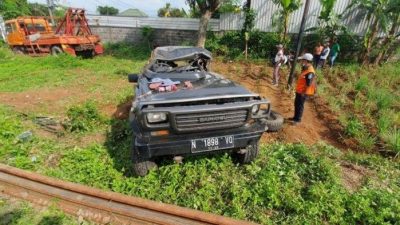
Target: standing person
[(279, 59), (324, 56), (334, 52), (306, 86), (317, 53)]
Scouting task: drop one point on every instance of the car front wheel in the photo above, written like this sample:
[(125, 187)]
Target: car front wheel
[(248, 154), (141, 165)]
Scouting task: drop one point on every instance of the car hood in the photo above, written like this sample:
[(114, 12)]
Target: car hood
[(212, 88)]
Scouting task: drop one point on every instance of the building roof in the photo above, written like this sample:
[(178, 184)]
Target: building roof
[(133, 12)]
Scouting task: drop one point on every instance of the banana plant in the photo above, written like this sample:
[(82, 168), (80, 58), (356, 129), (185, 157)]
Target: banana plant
[(287, 8), (376, 13)]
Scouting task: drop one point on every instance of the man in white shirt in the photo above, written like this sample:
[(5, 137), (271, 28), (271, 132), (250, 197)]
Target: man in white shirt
[(279, 60), (324, 55)]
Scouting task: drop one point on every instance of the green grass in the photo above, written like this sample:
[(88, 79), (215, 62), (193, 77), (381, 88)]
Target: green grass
[(375, 101), (22, 73), (12, 213), (287, 184)]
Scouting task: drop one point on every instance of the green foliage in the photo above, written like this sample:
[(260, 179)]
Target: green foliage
[(216, 6), (350, 45), (82, 118), (231, 44), (128, 51), (282, 21), (249, 19), (167, 11), (148, 35), (24, 213), (287, 181), (362, 83), (107, 10), (287, 184), (10, 9), (353, 127)]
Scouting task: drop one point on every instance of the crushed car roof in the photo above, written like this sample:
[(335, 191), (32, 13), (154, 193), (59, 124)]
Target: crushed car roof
[(173, 53)]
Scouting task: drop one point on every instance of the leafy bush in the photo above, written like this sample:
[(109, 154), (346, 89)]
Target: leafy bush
[(83, 118), (232, 44)]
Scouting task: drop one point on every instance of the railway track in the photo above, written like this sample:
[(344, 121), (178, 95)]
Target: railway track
[(99, 206)]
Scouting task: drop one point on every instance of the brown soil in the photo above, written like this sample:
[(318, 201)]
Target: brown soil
[(311, 130), (353, 176)]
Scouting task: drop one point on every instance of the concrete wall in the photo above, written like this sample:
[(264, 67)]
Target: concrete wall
[(162, 37)]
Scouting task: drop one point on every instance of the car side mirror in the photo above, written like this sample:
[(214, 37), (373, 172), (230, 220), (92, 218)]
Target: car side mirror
[(133, 78)]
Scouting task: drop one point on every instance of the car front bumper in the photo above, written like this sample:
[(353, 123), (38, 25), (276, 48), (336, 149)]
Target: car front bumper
[(181, 144)]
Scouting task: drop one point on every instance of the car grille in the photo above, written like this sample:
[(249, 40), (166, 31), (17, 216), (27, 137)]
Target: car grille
[(210, 120)]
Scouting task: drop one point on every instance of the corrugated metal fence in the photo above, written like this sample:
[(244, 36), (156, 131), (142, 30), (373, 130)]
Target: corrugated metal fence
[(157, 23), (266, 10)]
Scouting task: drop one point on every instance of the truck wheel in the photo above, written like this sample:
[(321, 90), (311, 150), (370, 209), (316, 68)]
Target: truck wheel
[(141, 166), (249, 154), (55, 50), (274, 121), (18, 50)]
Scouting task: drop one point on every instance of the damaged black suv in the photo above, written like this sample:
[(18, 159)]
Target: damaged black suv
[(182, 108)]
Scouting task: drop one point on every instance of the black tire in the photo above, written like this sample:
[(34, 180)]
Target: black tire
[(249, 155), (141, 166), (56, 50), (274, 121), (18, 50)]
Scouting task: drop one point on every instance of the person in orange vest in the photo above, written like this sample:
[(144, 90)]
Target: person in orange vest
[(306, 86)]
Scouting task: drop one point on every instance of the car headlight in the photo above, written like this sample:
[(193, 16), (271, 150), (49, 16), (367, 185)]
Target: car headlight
[(255, 109), (156, 117)]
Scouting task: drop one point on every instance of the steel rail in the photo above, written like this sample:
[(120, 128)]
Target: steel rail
[(100, 206)]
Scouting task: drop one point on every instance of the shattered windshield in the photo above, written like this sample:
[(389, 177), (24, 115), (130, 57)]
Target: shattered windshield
[(195, 65)]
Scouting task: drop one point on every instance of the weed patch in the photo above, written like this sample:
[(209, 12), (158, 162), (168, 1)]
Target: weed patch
[(82, 118)]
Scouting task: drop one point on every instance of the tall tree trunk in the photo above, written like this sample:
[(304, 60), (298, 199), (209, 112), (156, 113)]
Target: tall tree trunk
[(370, 41), (286, 25), (205, 18), (387, 42)]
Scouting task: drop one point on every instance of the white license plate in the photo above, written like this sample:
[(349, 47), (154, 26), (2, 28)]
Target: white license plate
[(213, 143)]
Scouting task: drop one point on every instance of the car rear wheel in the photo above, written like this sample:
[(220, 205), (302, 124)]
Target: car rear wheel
[(248, 154), (141, 165)]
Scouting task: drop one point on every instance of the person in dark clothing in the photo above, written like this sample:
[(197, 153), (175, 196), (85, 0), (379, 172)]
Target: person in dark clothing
[(306, 86)]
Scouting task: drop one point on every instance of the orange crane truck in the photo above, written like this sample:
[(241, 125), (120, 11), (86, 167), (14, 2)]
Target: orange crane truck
[(35, 36)]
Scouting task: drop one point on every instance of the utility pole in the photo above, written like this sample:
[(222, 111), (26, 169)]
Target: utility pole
[(299, 39), (50, 5)]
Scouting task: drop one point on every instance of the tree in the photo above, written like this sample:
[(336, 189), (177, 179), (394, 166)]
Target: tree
[(390, 42), (227, 6), (13, 8), (107, 10), (377, 16), (287, 8), (206, 8), (329, 23), (37, 9), (167, 11)]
